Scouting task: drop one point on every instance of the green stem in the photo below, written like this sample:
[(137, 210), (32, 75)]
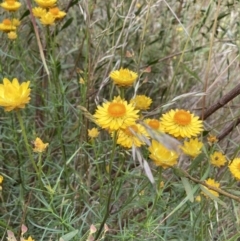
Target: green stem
[(26, 142)]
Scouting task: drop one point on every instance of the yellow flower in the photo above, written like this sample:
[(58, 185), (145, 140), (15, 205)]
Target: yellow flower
[(7, 26), (217, 159), (57, 13), (198, 198), (154, 124), (132, 135), (47, 19), (116, 114), (12, 35), (46, 3), (161, 156), (123, 77), (11, 5), (39, 12), (39, 146), (212, 139), (234, 168), (29, 239), (181, 123), (93, 133), (16, 22), (141, 102), (1, 180), (212, 183), (192, 147), (13, 95)]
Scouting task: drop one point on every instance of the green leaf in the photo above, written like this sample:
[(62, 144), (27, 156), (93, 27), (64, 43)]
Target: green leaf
[(188, 189), (67, 23), (68, 236)]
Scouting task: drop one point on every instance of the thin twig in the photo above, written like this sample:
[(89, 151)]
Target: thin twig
[(223, 101), (227, 194)]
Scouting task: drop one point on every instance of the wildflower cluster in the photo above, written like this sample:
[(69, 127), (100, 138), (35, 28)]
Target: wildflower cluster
[(9, 24), (47, 12), (176, 131)]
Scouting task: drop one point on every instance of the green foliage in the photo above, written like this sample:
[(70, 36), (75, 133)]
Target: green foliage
[(82, 188)]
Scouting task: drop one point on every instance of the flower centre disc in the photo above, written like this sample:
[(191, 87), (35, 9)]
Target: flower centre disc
[(131, 130), (7, 22), (10, 2), (54, 11), (182, 117), (154, 124), (238, 167), (116, 110)]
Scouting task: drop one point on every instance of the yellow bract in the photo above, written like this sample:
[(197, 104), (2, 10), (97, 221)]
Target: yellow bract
[(14, 95), (12, 35), (123, 77), (217, 159), (93, 133), (192, 147), (47, 19), (234, 168), (162, 156), (132, 135), (7, 25), (57, 13), (39, 146), (141, 102), (39, 12), (116, 114), (181, 123), (212, 183), (46, 3), (10, 5)]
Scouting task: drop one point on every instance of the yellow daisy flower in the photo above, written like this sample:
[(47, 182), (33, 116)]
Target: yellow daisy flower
[(57, 13), (212, 183), (39, 12), (217, 159), (132, 135), (141, 102), (10, 5), (12, 35), (39, 146), (161, 156), (123, 77), (234, 168), (154, 124), (192, 147), (116, 114), (93, 133), (47, 19), (181, 123), (1, 179), (13, 95), (46, 3), (7, 26)]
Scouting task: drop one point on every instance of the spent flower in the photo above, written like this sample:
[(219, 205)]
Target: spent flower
[(39, 146)]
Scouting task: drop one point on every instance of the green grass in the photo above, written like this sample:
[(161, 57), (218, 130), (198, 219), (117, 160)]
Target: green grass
[(192, 47)]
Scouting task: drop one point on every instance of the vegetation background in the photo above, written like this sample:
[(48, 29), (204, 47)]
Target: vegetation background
[(179, 49)]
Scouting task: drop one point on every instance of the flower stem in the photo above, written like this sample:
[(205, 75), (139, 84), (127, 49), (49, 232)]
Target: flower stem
[(26, 141)]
